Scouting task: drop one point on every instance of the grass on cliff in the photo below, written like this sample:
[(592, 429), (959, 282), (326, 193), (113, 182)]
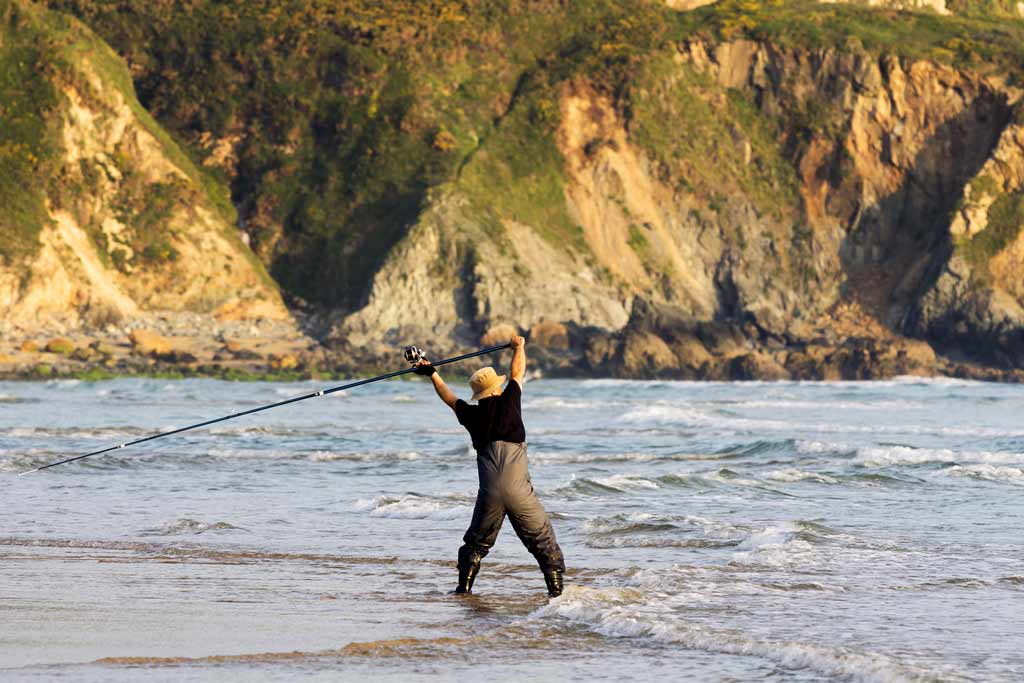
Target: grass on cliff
[(29, 134), (726, 145), (1005, 224)]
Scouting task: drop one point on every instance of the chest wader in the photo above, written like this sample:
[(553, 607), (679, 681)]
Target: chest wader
[(505, 489)]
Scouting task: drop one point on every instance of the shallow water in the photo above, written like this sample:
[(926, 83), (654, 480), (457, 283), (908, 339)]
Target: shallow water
[(733, 532)]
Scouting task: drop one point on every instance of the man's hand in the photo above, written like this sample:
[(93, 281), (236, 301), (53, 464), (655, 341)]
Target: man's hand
[(424, 368), (518, 369)]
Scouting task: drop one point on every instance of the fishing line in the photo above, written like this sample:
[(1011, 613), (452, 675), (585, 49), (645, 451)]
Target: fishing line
[(412, 354)]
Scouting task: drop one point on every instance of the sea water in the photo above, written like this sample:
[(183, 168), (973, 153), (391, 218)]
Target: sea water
[(713, 531)]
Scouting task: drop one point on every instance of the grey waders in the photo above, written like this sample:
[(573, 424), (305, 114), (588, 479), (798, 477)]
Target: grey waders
[(506, 489)]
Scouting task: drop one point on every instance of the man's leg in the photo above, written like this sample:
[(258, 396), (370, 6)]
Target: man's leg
[(488, 516), (533, 527)]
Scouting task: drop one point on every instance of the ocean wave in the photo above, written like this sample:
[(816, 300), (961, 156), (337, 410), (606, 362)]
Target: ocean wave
[(648, 530), (667, 414), (372, 456), (885, 456), (631, 522), (12, 399), (628, 613), (793, 404), (1001, 474), (616, 484), (567, 403), (112, 433), (193, 527), (672, 414), (780, 545), (792, 474), (415, 506), (657, 542)]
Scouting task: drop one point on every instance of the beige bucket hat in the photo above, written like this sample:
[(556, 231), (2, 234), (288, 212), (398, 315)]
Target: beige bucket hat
[(484, 382)]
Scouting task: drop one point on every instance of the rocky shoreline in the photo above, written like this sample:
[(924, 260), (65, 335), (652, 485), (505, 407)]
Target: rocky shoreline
[(657, 343)]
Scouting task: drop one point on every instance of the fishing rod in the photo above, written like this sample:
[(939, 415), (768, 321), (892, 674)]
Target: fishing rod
[(411, 353)]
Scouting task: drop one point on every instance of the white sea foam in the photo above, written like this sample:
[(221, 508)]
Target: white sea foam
[(605, 525), (792, 474), (570, 457), (626, 482), (672, 413), (1003, 474), (660, 413), (189, 526), (329, 456), (413, 506), (777, 546), (790, 404), (885, 456), (630, 613)]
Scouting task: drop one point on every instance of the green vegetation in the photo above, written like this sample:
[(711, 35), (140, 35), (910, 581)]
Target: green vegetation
[(1005, 223), (985, 8), (28, 134)]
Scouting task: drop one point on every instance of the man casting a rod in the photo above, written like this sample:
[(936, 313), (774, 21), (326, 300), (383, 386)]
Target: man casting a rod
[(499, 437)]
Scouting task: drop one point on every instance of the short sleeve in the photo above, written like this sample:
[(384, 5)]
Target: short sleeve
[(513, 392), (462, 412)]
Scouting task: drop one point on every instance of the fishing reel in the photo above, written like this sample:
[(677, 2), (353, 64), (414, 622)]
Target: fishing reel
[(414, 354)]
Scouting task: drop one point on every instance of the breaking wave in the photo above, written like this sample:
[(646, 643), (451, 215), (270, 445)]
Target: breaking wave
[(629, 613), (185, 526), (416, 506)]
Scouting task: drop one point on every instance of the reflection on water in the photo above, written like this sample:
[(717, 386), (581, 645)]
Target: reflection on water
[(780, 532)]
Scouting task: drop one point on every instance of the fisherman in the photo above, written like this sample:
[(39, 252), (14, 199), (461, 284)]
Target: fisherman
[(499, 437)]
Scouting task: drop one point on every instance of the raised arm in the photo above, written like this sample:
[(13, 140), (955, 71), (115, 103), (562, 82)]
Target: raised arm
[(518, 368), (443, 392)]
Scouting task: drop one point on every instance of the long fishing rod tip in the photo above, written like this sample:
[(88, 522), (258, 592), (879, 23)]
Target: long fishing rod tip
[(22, 474)]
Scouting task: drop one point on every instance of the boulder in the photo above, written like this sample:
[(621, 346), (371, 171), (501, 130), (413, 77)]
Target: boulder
[(29, 346), (284, 361), (756, 365), (146, 343), (61, 345), (104, 349), (598, 350), (721, 338), (813, 362), (550, 335), (498, 334), (690, 352), (645, 354)]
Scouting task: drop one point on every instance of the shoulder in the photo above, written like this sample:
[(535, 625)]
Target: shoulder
[(514, 388), (462, 410)]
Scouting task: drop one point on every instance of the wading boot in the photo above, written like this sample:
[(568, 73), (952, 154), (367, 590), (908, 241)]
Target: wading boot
[(467, 574), (553, 578)]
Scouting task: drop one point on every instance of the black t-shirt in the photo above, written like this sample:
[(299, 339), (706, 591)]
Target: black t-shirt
[(498, 418)]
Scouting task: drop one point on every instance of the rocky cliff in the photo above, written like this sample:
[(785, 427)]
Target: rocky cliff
[(742, 190)]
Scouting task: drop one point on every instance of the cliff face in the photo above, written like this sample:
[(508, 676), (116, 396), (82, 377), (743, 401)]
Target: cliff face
[(792, 185), (115, 221), (741, 190)]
